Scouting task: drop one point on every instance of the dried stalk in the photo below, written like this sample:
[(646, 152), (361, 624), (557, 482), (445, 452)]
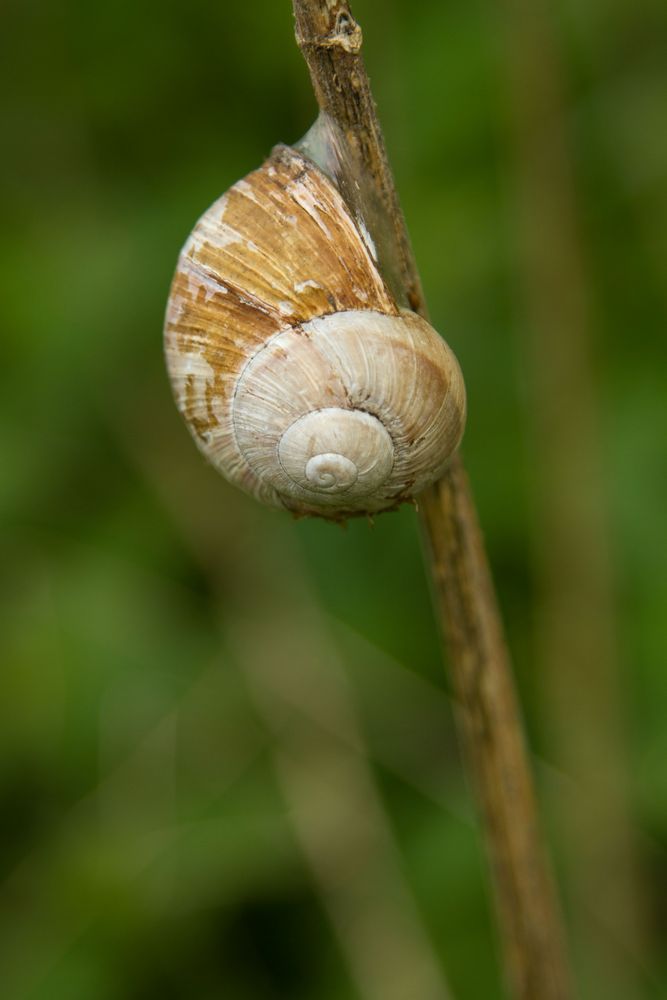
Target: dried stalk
[(490, 730)]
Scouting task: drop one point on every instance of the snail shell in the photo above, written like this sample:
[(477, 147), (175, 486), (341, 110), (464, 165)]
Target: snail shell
[(298, 375)]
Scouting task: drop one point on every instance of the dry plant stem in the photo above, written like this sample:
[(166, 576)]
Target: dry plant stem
[(493, 743), (491, 731)]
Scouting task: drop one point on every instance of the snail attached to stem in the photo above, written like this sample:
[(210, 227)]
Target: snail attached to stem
[(299, 376)]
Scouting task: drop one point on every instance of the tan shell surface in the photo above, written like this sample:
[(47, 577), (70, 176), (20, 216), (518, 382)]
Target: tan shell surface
[(277, 312)]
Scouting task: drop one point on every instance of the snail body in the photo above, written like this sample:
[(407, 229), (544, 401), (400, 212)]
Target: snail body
[(298, 375)]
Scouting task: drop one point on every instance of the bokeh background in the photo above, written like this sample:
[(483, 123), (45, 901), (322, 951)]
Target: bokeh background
[(228, 761)]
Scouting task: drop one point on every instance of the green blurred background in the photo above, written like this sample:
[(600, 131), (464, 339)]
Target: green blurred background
[(228, 761)]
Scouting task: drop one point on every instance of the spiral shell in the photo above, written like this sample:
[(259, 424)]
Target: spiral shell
[(297, 374)]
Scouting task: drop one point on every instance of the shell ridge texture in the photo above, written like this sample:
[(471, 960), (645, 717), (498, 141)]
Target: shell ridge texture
[(298, 375)]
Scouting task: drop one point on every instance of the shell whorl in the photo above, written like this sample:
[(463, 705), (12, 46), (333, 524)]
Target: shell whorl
[(299, 377), (334, 452)]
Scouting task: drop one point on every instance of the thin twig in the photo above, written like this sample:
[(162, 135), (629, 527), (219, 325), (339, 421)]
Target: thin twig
[(491, 731)]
